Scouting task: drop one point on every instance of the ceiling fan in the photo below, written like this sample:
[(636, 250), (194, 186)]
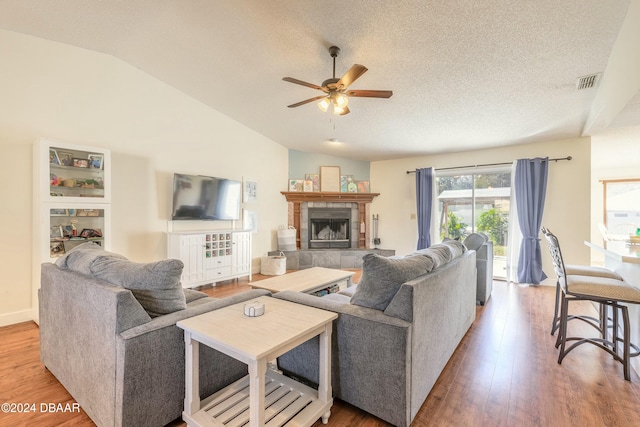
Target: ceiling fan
[(336, 92)]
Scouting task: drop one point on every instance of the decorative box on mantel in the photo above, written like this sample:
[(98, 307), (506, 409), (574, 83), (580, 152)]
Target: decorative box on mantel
[(359, 203)]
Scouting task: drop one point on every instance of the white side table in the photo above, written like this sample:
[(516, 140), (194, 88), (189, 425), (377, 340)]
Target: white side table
[(264, 395)]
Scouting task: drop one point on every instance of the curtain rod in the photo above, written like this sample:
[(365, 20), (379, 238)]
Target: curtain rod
[(490, 164)]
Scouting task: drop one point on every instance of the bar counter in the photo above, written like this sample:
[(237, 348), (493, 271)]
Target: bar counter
[(618, 250), (624, 259)]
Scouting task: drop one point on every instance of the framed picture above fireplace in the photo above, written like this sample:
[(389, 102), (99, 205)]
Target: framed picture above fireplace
[(330, 178)]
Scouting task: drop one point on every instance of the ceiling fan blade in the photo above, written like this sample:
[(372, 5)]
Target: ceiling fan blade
[(351, 75), (305, 101), (370, 93), (300, 82)]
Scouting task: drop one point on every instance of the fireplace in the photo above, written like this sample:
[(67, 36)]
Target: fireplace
[(329, 228), (357, 204)]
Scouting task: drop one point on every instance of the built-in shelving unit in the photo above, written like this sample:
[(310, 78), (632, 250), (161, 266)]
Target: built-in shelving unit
[(72, 201)]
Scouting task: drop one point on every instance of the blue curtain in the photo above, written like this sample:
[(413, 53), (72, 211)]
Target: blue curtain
[(424, 201), (531, 189)]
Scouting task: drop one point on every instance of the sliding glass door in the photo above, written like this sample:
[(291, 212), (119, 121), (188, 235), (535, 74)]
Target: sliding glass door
[(477, 202)]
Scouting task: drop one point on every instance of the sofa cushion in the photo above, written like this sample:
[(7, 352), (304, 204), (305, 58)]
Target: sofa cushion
[(382, 277), (156, 285), (475, 240)]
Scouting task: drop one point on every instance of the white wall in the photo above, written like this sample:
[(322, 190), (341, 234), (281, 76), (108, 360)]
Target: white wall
[(567, 206), (79, 96)]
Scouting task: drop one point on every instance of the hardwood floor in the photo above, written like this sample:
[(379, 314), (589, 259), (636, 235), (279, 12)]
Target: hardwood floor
[(504, 373)]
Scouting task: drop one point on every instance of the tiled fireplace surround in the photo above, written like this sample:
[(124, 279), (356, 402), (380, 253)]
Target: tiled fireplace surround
[(360, 238)]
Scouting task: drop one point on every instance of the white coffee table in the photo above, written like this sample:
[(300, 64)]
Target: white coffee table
[(307, 280), (255, 341)]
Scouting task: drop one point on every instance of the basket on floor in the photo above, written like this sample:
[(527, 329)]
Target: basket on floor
[(274, 265)]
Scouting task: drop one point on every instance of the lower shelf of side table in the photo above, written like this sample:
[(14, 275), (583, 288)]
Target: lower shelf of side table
[(287, 403)]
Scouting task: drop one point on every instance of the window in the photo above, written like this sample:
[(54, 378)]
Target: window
[(621, 207)]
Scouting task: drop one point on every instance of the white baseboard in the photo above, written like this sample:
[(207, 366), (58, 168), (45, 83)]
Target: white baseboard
[(16, 317)]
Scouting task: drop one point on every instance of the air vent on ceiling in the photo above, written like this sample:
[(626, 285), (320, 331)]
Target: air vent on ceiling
[(586, 82)]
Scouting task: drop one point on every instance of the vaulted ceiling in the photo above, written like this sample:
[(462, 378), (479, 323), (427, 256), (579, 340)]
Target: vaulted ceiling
[(464, 74)]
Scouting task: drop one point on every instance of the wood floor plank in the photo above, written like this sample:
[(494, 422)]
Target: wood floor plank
[(503, 373)]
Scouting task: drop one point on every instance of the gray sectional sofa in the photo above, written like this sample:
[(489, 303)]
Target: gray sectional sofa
[(108, 333), (395, 332)]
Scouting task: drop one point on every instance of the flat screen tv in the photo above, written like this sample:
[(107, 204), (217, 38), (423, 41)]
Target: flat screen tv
[(198, 197)]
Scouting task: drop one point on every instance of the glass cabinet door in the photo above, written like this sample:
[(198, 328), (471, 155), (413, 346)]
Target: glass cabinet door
[(75, 173)]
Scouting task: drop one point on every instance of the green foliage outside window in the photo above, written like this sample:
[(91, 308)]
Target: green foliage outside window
[(455, 227), (494, 223)]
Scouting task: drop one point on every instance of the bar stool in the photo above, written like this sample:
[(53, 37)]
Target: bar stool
[(578, 270), (607, 292)]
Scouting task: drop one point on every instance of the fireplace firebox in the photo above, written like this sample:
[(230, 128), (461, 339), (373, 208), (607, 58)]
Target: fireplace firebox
[(329, 228)]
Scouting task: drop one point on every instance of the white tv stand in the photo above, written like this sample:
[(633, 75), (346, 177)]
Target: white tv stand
[(211, 256)]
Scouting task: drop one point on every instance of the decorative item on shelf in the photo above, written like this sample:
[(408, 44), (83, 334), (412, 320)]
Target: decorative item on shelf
[(89, 183), (58, 212), (344, 180), (352, 187), (53, 157), (80, 163), (315, 179), (67, 231), (95, 161), (74, 228), (66, 159), (56, 233), (363, 187), (54, 181), (88, 233), (69, 183), (296, 185), (330, 178), (308, 186), (88, 212), (56, 249)]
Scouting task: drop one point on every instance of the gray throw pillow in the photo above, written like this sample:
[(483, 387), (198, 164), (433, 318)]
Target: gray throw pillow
[(439, 254), (455, 247), (155, 285), (79, 258), (382, 277)]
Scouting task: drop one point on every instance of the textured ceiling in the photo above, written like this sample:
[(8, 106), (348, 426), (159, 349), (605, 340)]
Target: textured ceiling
[(464, 74)]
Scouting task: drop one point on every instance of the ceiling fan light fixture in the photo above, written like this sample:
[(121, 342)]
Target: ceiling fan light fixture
[(341, 100), (339, 111), (323, 104)]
